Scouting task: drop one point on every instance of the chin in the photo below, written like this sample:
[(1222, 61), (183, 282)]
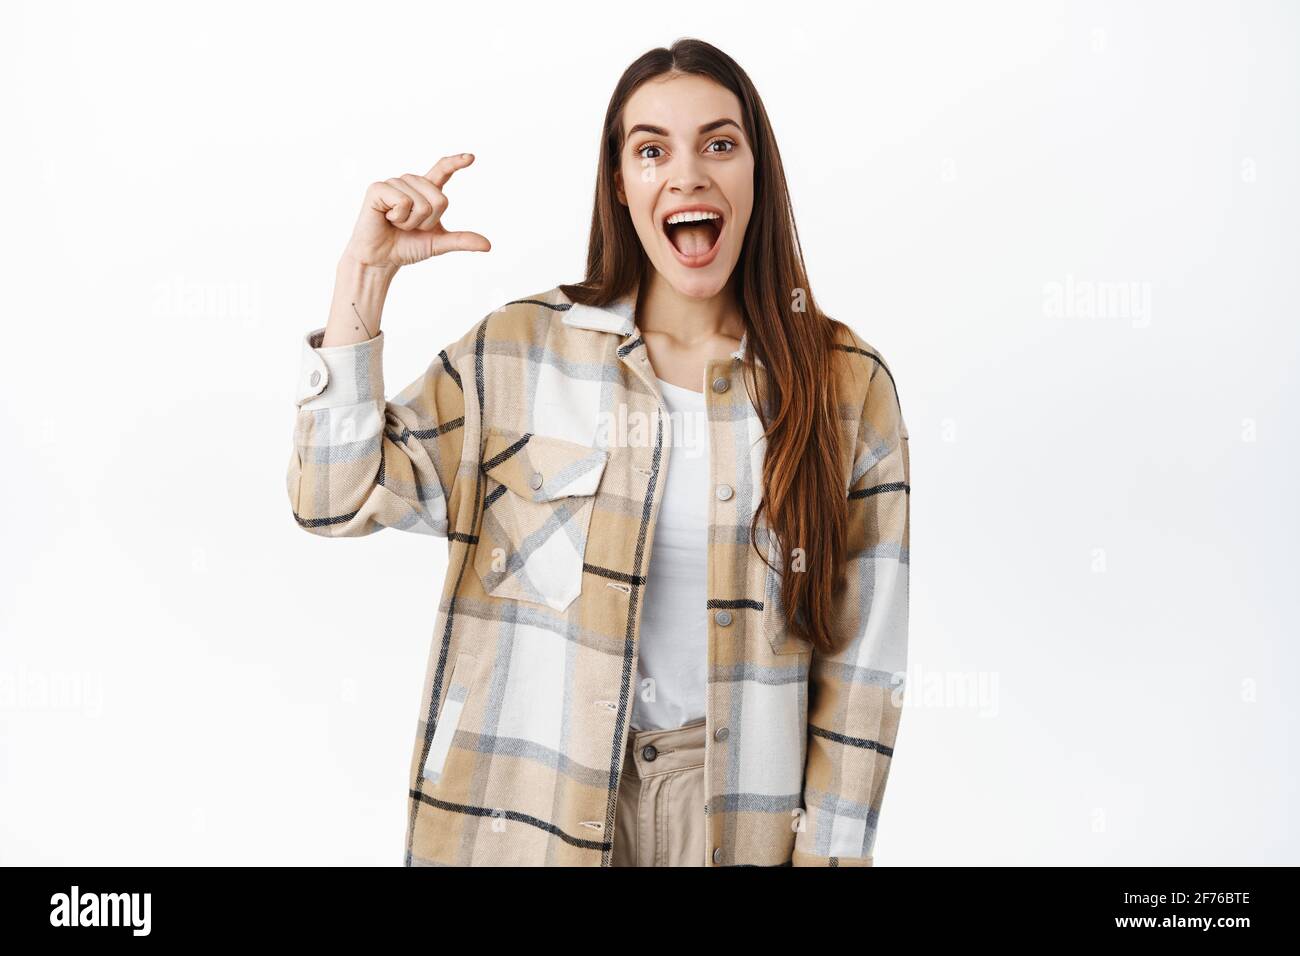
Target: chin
[(696, 287), (697, 283)]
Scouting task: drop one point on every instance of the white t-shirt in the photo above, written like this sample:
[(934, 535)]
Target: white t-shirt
[(674, 621)]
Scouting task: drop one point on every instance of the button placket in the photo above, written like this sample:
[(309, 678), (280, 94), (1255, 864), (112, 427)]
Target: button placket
[(721, 617)]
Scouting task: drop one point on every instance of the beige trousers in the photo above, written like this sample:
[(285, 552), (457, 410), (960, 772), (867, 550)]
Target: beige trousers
[(659, 819)]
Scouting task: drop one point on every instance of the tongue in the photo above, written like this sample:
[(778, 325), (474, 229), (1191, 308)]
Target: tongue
[(693, 238)]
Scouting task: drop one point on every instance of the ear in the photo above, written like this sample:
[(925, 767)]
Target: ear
[(618, 187)]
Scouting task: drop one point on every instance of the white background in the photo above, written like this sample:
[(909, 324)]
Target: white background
[(1103, 503)]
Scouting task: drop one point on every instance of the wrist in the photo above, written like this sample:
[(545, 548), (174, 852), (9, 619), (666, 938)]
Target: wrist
[(351, 267)]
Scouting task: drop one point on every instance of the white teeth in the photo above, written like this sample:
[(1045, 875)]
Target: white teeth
[(697, 215)]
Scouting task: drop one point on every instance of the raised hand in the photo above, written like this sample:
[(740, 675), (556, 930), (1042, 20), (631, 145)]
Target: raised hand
[(401, 220)]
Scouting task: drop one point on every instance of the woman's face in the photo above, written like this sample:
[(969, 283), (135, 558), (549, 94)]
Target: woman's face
[(684, 149)]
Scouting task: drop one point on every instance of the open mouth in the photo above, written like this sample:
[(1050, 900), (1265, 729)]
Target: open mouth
[(694, 236)]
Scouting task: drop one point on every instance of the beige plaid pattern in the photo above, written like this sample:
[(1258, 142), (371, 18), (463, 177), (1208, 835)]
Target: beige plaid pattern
[(536, 445)]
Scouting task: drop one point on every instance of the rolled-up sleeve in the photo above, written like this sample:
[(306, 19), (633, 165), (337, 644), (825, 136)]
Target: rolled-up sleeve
[(361, 463), (855, 693)]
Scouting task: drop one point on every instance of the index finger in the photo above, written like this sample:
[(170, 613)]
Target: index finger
[(441, 171)]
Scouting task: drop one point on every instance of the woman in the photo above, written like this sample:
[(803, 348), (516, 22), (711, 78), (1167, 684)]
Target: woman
[(614, 677)]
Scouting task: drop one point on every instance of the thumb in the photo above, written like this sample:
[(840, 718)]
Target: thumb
[(460, 242)]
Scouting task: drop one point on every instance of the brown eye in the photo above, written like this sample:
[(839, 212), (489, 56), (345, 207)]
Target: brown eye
[(641, 149), (718, 142)]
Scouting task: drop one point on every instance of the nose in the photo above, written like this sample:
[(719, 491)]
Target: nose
[(686, 176)]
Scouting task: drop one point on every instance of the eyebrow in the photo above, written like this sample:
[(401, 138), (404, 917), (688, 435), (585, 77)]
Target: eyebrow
[(660, 131)]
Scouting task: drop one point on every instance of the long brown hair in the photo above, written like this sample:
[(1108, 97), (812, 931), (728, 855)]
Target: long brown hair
[(803, 485)]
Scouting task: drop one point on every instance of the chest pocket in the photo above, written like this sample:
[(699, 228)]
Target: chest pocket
[(538, 500)]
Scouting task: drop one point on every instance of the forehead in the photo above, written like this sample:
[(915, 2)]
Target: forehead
[(680, 104)]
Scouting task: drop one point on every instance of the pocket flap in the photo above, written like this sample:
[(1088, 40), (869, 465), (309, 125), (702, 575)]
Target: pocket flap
[(541, 467)]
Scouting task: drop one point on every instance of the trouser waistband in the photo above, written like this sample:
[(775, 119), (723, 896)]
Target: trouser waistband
[(651, 752)]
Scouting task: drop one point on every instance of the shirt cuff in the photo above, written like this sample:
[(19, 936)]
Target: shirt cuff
[(811, 859), (339, 374)]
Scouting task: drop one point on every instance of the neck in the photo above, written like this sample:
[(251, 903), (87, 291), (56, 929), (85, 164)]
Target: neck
[(686, 319)]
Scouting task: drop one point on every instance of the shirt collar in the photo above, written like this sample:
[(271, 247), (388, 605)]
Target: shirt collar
[(619, 317)]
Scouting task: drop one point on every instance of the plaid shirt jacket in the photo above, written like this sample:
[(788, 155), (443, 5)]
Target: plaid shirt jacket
[(535, 444)]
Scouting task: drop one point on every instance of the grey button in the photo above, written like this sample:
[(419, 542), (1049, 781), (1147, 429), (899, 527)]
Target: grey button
[(315, 378), (717, 854), (536, 480), (648, 752), (722, 733), (724, 492), (721, 384), (723, 618)]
